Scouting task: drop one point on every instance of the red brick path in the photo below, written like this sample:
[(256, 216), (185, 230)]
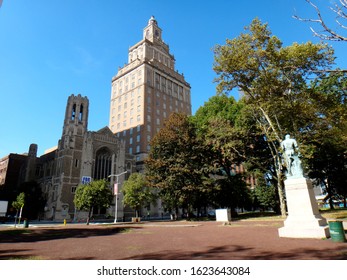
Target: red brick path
[(179, 240)]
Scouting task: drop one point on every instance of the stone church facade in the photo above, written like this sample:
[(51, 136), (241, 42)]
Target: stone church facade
[(82, 155)]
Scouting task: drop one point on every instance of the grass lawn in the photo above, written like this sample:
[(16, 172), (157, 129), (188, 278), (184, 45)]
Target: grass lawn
[(339, 213)]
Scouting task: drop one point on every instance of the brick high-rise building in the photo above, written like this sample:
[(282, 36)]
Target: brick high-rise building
[(146, 91)]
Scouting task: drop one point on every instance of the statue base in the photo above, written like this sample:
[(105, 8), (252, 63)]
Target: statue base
[(304, 219)]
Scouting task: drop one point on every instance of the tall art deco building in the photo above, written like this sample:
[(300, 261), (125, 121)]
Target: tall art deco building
[(145, 92)]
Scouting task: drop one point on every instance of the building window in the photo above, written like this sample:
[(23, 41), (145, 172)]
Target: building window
[(73, 189), (138, 138), (137, 148), (130, 140), (138, 128)]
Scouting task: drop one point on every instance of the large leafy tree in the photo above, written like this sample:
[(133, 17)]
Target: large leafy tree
[(324, 146), (137, 192), (217, 124), (95, 194), (273, 80), (178, 165)]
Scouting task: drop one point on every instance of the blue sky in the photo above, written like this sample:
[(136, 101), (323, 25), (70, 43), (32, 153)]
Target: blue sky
[(52, 49)]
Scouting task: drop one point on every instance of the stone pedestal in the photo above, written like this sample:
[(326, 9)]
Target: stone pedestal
[(304, 219)]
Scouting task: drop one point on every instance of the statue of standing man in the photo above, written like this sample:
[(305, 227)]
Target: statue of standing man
[(291, 157)]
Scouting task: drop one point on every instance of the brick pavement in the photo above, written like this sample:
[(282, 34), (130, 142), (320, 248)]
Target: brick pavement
[(179, 240)]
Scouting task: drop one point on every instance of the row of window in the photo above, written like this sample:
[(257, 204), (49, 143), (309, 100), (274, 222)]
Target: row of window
[(118, 88)]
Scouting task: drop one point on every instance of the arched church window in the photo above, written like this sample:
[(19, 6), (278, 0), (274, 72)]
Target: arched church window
[(73, 113), (80, 117), (103, 164)]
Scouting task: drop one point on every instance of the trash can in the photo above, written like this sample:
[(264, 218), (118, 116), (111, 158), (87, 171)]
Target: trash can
[(337, 232), (26, 223)]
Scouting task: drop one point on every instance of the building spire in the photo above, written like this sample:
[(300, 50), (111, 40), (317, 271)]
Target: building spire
[(152, 20), (152, 31)]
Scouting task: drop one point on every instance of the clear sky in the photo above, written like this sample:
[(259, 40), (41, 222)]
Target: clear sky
[(52, 49)]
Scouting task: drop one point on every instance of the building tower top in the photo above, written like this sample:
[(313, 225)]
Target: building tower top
[(152, 20), (152, 31)]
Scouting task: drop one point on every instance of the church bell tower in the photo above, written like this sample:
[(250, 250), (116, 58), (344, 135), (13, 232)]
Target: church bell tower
[(69, 153)]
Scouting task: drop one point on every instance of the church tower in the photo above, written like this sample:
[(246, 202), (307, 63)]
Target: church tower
[(76, 116), (70, 151)]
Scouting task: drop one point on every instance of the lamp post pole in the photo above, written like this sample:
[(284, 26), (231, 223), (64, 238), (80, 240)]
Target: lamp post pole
[(116, 194)]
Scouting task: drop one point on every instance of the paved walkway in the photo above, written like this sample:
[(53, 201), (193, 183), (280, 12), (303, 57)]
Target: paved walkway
[(179, 240)]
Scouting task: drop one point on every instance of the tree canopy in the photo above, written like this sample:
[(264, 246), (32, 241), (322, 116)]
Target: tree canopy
[(273, 80), (95, 194), (178, 164), (137, 192)]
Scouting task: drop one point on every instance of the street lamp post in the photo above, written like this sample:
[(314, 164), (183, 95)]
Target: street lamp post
[(116, 194)]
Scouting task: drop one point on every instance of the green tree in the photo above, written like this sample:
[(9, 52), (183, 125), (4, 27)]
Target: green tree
[(34, 199), (217, 126), (137, 193), (18, 204), (95, 194), (273, 80), (265, 194), (325, 142), (178, 165)]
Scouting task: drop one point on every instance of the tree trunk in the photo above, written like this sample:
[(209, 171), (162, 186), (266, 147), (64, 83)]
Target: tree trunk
[(89, 214), (330, 195), (280, 188), (15, 219)]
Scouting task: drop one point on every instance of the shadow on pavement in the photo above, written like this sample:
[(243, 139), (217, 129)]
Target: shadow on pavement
[(244, 253), (36, 235)]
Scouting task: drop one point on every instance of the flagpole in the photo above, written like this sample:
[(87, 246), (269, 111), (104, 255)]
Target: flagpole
[(116, 194)]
